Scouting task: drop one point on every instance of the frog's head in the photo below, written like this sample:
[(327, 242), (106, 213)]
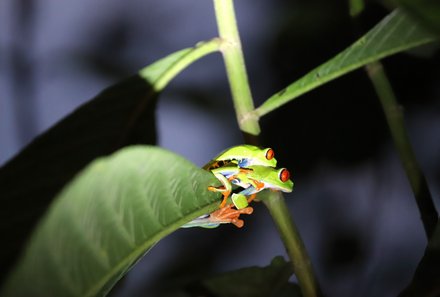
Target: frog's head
[(273, 178)]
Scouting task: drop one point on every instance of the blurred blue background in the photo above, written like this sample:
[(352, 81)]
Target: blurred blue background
[(352, 202)]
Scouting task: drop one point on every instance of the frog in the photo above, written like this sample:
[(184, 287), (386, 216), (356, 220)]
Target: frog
[(250, 181)]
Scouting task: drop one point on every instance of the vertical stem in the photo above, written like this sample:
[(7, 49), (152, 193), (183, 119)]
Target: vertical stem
[(294, 244), (394, 116), (235, 66), (248, 122)]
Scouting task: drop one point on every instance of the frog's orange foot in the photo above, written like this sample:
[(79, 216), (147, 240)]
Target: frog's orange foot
[(238, 223), (228, 212), (247, 210), (229, 215)]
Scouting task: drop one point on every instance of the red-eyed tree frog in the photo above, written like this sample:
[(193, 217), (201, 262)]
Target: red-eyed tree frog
[(256, 178), (252, 180)]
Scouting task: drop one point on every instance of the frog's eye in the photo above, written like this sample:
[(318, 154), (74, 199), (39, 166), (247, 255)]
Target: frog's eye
[(270, 154), (284, 175)]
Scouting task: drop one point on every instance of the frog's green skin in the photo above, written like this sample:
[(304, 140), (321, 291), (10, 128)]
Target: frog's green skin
[(253, 180), (243, 156), (256, 178), (230, 160)]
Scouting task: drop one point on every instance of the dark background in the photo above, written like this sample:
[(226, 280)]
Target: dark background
[(352, 202)]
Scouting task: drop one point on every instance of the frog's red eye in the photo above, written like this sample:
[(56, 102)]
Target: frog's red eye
[(270, 154), (284, 175)]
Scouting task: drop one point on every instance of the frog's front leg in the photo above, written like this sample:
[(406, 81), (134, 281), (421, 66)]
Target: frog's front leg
[(229, 215), (226, 187)]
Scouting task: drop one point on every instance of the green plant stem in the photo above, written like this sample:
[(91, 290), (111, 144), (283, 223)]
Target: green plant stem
[(235, 66), (394, 115), (248, 122), (293, 243)]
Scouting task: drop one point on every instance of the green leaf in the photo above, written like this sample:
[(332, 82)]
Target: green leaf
[(272, 280), (395, 33), (178, 61), (121, 115), (255, 281), (107, 218)]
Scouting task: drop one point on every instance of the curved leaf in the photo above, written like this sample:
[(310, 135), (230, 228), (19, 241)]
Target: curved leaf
[(395, 33), (272, 280), (255, 281), (121, 115), (107, 218), (179, 61)]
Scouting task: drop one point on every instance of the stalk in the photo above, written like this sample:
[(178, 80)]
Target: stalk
[(235, 66), (248, 122), (394, 116), (294, 245)]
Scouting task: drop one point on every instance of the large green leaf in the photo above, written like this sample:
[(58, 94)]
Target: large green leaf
[(395, 33), (254, 281), (272, 280), (121, 115), (107, 218)]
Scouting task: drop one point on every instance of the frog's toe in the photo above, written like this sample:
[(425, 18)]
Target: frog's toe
[(248, 210), (238, 223)]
